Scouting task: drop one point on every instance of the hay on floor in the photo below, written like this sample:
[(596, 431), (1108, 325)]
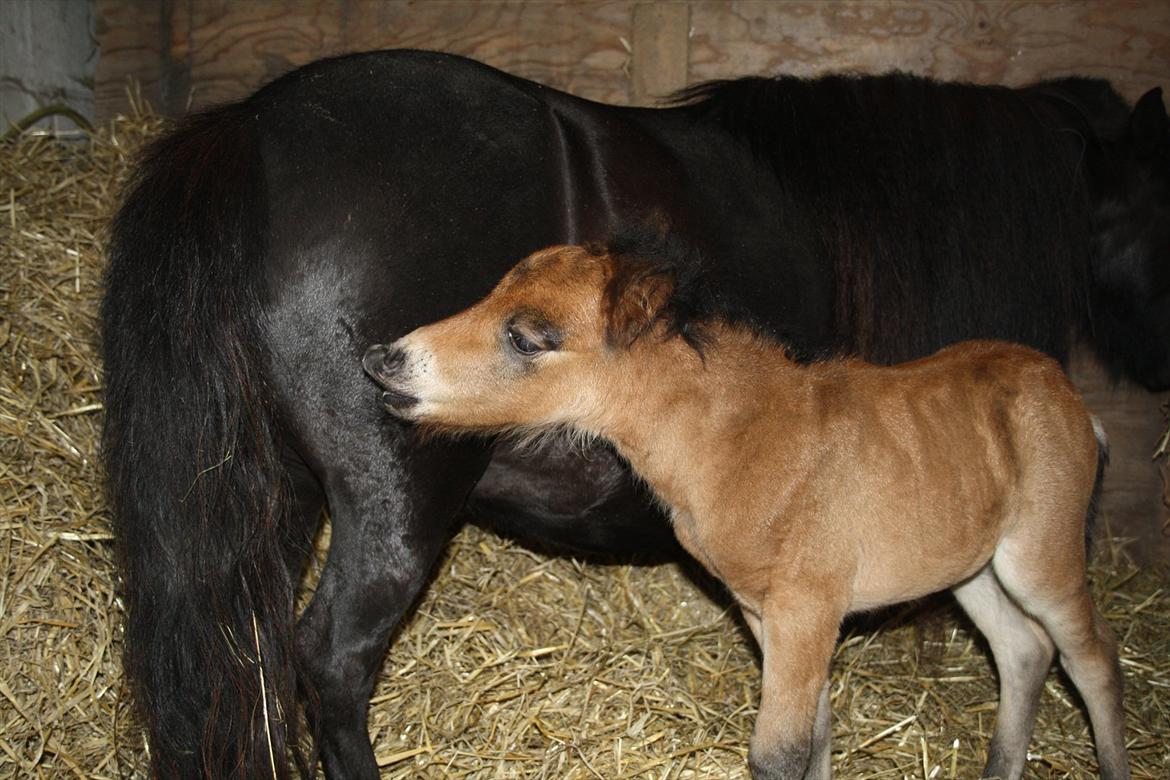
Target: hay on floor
[(514, 664)]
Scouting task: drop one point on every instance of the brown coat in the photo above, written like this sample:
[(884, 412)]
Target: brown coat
[(813, 490)]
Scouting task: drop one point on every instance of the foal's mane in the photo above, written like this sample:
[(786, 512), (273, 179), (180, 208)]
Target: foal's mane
[(650, 252)]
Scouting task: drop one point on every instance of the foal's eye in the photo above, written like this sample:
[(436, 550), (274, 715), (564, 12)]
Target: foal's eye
[(522, 343)]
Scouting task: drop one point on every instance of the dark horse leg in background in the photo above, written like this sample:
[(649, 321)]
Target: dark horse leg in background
[(392, 506)]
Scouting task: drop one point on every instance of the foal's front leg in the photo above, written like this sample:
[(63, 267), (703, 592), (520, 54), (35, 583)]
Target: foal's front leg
[(797, 634), (820, 766)]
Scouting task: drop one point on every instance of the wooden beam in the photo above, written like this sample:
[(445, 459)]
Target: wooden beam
[(174, 66), (659, 50)]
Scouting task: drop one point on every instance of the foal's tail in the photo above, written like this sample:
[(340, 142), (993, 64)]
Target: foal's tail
[(1102, 463), (199, 497)]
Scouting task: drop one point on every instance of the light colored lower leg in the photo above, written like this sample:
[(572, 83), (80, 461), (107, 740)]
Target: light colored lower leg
[(1060, 600), (1088, 653), (1022, 653), (753, 623), (820, 764)]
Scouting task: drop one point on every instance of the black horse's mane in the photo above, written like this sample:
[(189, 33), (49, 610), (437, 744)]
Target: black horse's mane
[(746, 105), (898, 176)]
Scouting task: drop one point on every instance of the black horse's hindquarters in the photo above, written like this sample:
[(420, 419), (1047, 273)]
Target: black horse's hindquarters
[(397, 188)]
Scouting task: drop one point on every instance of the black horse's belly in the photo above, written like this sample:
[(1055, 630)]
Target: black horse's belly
[(562, 496)]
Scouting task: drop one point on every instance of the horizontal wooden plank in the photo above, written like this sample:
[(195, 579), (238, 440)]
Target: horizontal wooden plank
[(1132, 502), (231, 48), (129, 34), (659, 51), (986, 42)]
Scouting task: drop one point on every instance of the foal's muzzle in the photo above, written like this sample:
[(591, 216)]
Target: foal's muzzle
[(384, 364)]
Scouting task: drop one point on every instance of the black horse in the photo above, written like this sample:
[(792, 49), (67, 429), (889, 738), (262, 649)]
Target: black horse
[(258, 246)]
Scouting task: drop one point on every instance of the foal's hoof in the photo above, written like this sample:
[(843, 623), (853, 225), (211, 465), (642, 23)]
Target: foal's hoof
[(778, 764)]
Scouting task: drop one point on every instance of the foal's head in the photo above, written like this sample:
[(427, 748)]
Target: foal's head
[(544, 346)]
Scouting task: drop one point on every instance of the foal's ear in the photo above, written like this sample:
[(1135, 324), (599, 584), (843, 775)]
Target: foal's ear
[(634, 299)]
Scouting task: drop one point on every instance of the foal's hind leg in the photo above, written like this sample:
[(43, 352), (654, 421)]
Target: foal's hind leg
[(820, 762), (1023, 656), (1055, 592)]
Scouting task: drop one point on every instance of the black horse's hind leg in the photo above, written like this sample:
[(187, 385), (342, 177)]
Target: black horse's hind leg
[(392, 502), (308, 500), (389, 526)]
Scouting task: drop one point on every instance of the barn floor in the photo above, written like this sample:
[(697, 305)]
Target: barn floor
[(514, 665)]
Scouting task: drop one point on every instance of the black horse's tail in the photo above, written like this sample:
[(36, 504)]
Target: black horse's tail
[(200, 499)]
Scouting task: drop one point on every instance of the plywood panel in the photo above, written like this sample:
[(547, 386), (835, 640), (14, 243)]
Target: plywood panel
[(1132, 500), (230, 48), (129, 34), (577, 47), (659, 51), (988, 42)]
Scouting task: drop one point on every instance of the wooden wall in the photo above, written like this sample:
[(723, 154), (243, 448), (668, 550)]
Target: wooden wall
[(216, 50), (186, 53)]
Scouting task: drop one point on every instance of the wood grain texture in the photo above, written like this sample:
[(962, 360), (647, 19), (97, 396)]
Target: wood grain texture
[(128, 33), (577, 47), (987, 42), (231, 48), (659, 51), (1132, 501)]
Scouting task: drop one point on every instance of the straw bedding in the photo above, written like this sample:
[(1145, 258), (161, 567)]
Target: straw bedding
[(514, 664)]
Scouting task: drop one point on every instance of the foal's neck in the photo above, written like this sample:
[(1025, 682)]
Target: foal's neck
[(675, 415)]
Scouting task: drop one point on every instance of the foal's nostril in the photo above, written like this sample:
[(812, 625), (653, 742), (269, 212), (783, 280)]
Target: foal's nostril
[(393, 360), (382, 361), (373, 359)]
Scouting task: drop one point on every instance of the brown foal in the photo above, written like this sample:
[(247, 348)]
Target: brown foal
[(812, 491)]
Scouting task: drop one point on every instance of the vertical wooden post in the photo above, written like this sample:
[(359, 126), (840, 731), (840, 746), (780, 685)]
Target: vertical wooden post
[(174, 66), (660, 50)]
